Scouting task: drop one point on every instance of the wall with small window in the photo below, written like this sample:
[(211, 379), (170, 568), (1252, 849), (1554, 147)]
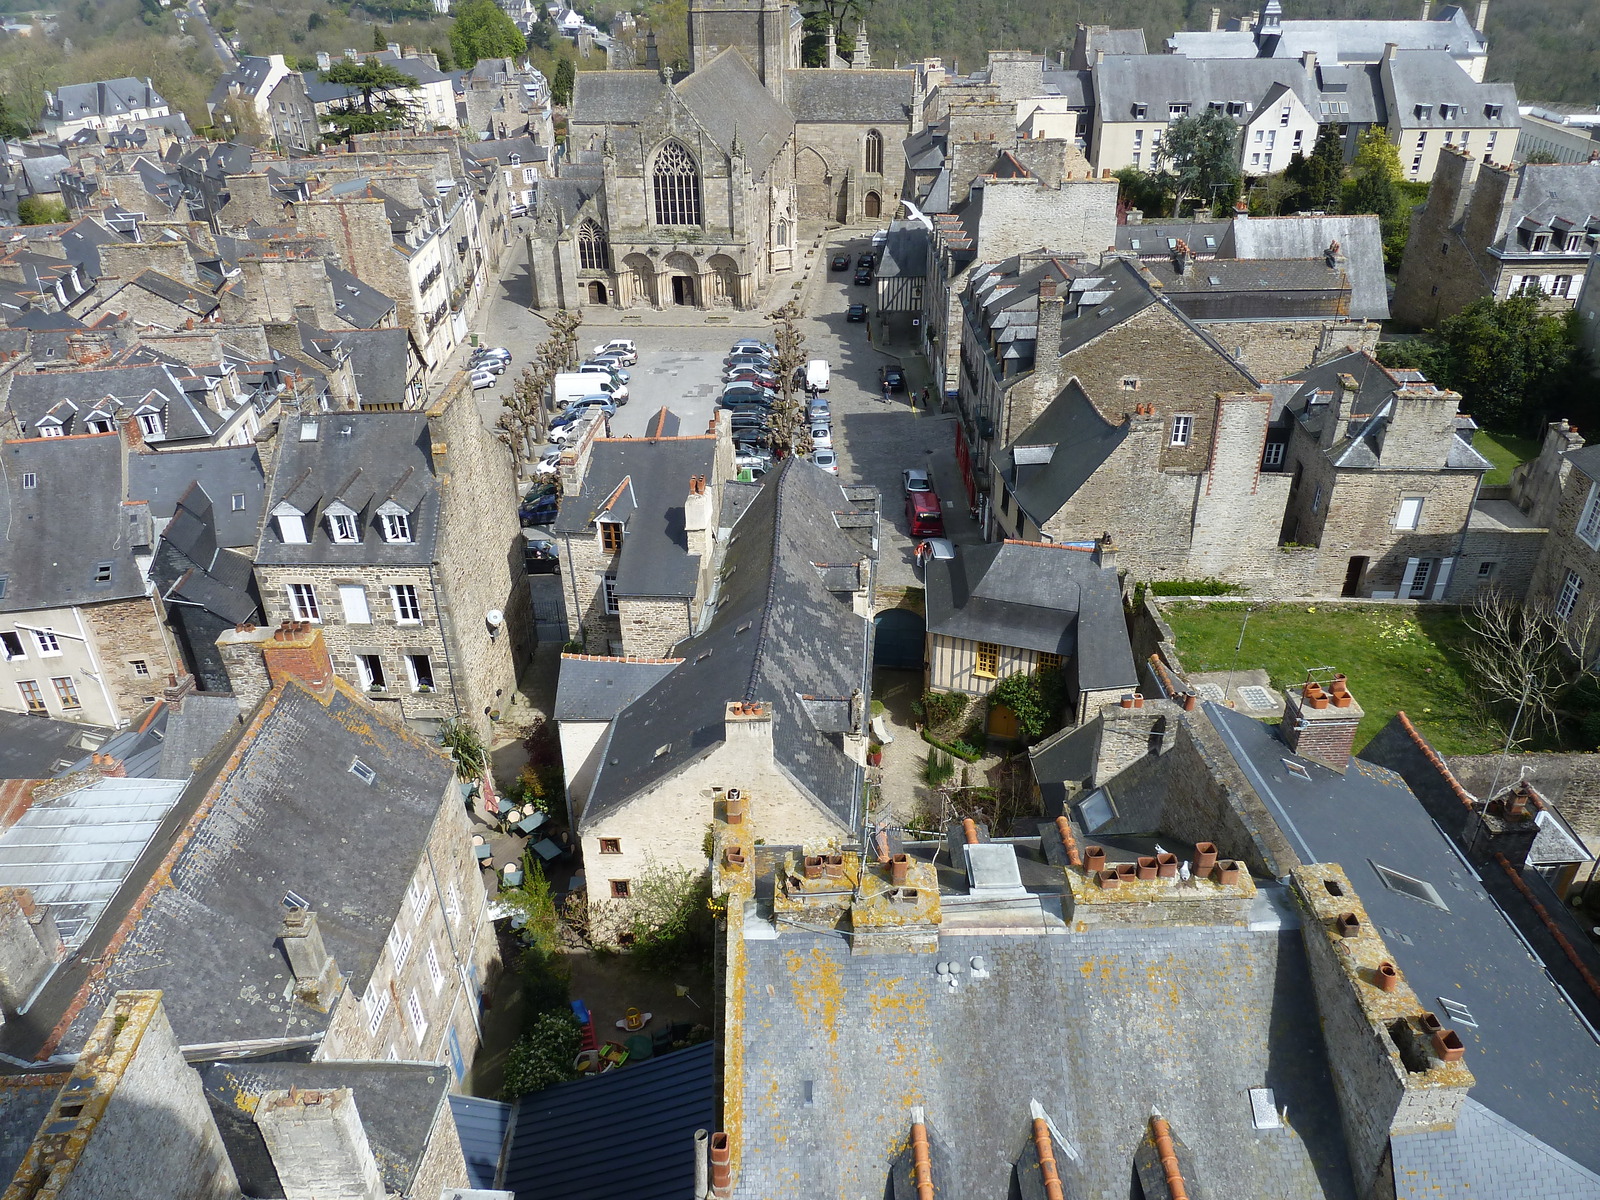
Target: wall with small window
[(959, 665), (98, 664)]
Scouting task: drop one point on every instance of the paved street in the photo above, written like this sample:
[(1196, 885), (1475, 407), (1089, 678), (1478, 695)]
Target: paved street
[(680, 366)]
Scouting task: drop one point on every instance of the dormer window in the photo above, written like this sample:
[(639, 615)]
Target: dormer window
[(1575, 241), (1541, 242), (1174, 111), (150, 424), (396, 527), (292, 527), (611, 537), (1424, 112), (343, 528), (1140, 111), (1492, 111), (50, 428), (101, 423)]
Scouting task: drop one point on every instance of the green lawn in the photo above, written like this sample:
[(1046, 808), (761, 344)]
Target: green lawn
[(1506, 451), (1395, 658)]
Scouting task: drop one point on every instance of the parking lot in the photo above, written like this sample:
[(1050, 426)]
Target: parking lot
[(680, 366)]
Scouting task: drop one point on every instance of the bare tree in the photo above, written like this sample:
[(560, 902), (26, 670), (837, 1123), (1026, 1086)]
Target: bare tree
[(524, 419), (790, 431), (1523, 652)]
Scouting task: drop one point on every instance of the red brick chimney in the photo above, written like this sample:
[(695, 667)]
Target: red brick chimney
[(297, 651), (1320, 723)]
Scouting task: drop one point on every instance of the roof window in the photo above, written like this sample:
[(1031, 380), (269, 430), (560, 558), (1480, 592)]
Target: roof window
[(30, 480), (361, 771), (1458, 1013), (102, 572), (1295, 769), (1417, 889)]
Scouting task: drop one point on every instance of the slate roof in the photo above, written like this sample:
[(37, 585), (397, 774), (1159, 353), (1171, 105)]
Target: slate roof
[(380, 362), (398, 1104), (1550, 192), (206, 589), (25, 1101), (196, 726), (1066, 757), (384, 454), (249, 73), (38, 747), (778, 632), (1360, 242), (1051, 599), (729, 100), (1158, 80), (591, 688), (1083, 440), (655, 558), (207, 935), (1183, 1018), (565, 1140), (54, 537), (223, 473), (178, 393), (481, 1125), (104, 98), (615, 97), (1155, 238), (359, 304), (1336, 40), (820, 95), (1534, 1059), (905, 252), (1433, 77)]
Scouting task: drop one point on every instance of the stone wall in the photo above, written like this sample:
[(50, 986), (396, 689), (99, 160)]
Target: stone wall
[(832, 181), (126, 632), (651, 628), (1282, 349), (480, 557), (1564, 551), (1569, 782), (154, 1125), (443, 1164)]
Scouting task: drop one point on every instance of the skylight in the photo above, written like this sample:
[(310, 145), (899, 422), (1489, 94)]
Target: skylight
[(361, 771), (1417, 889), (1295, 769), (1458, 1013)]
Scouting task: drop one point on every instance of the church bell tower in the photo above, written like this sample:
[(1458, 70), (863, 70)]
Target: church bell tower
[(758, 29)]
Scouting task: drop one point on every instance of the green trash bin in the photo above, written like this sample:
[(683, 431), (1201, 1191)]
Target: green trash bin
[(640, 1047)]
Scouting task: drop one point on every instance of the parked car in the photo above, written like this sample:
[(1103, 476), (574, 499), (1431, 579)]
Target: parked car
[(751, 346), (822, 437), (606, 368), (867, 260), (924, 517), (827, 460), (856, 312), (754, 390), (623, 346), (816, 375), (864, 276), (895, 378), (541, 511), (499, 352), (761, 379), (932, 548), (483, 379), (915, 481), (548, 462), (759, 361), (573, 412), (818, 410), (841, 262), (496, 365)]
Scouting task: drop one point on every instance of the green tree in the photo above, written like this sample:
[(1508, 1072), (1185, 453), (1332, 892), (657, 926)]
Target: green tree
[(1512, 361), (1376, 153), (378, 41), (1142, 190), (539, 35), (377, 101), (1317, 179), (561, 85), (1200, 155), (12, 125), (41, 210), (482, 30)]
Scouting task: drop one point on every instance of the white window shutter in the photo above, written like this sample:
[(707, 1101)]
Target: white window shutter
[(1443, 580), (1407, 579)]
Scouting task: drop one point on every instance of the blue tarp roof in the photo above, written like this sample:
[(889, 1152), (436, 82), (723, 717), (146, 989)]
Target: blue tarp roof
[(624, 1135)]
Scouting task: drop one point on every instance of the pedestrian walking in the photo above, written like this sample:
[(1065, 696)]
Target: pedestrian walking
[(925, 401)]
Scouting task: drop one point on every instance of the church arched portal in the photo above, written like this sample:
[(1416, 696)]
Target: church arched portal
[(871, 206), (597, 293)]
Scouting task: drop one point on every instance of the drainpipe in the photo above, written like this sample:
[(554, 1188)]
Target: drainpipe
[(96, 669), (446, 623)]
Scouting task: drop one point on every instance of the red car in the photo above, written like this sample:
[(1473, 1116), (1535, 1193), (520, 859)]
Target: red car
[(924, 517)]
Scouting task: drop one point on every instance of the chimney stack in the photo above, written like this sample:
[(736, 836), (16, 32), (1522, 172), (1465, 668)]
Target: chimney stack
[(30, 946), (1047, 338), (1105, 551), (257, 659), (1320, 723), (1216, 19), (1507, 824), (1180, 257), (316, 974), (318, 1145)]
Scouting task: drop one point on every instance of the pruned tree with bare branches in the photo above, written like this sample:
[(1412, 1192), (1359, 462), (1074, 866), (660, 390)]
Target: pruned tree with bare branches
[(789, 431), (1524, 652), (524, 418)]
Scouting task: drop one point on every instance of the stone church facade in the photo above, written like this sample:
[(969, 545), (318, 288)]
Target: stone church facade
[(688, 191)]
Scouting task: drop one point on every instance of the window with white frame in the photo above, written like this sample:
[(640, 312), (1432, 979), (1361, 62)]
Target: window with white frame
[(342, 527), (1182, 428), (376, 1002), (419, 668), (407, 608), (396, 527), (303, 604), (369, 668), (1274, 455), (435, 973), (1563, 286), (150, 424), (1409, 515), (419, 898), (399, 947), (353, 599), (452, 904), (1420, 581), (1571, 588), (419, 1023), (609, 587), (292, 528), (49, 643), (1589, 522), (1174, 111)]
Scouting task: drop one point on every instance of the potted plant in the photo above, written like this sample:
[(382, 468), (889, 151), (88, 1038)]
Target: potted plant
[(874, 754)]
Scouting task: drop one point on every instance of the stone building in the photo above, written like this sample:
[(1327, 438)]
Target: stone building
[(262, 98), (1560, 491), (1383, 480), (314, 894), (1498, 231), (638, 531), (392, 532), (769, 697), (689, 190), (83, 637), (106, 104)]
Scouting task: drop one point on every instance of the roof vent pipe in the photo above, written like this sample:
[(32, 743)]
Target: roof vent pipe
[(702, 1167)]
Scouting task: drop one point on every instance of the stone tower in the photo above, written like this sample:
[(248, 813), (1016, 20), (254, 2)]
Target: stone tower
[(758, 29)]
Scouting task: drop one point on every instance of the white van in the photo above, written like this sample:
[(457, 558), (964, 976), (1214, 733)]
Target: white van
[(817, 375), (575, 385)]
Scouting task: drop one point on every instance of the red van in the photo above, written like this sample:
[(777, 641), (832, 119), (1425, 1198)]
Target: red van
[(923, 516)]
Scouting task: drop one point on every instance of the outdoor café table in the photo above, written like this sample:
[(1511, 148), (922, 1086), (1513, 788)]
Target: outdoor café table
[(547, 850)]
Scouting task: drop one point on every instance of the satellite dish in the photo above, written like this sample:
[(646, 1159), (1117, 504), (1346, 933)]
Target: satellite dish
[(495, 618)]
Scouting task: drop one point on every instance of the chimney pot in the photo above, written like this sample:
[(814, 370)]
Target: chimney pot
[(969, 831), (1386, 976), (1205, 857), (1094, 858)]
